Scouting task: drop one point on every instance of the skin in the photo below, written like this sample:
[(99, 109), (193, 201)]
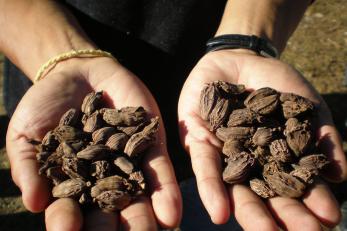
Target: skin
[(44, 29)]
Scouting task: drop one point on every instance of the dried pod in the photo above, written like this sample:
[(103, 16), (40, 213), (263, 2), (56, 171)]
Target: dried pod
[(93, 122), (140, 141), (124, 164), (314, 161), (261, 188), (298, 136), (237, 168), (94, 152), (263, 136), (70, 118), (280, 151), (234, 133), (232, 148), (272, 167), (113, 200), (220, 113), (138, 177), (78, 145), (100, 169), (129, 131), (53, 160), (242, 117), (109, 183), (56, 174), (75, 168), (285, 184), (228, 89), (208, 100), (128, 116), (263, 101), (294, 105), (68, 133), (67, 150), (50, 141), (305, 174), (261, 154), (70, 188), (117, 141), (101, 135), (91, 102)]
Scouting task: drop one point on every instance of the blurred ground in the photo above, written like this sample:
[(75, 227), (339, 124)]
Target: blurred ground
[(318, 49)]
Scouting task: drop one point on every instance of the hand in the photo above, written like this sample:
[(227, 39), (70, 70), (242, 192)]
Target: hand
[(40, 110), (243, 67)]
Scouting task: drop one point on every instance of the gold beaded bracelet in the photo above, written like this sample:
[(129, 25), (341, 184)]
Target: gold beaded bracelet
[(50, 64)]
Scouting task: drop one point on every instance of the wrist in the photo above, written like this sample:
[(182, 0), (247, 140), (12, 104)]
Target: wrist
[(274, 20), (36, 31)]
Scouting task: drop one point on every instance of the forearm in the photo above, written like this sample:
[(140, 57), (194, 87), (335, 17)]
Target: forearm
[(275, 20), (33, 31)]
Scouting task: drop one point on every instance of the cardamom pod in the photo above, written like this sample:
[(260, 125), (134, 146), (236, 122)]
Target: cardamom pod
[(234, 133), (263, 101), (93, 123), (101, 135), (109, 183), (94, 152), (243, 117), (124, 164), (263, 136), (298, 136), (285, 184), (237, 168), (280, 151), (128, 116), (294, 105), (70, 188), (100, 169), (112, 200), (232, 148), (261, 188), (91, 102), (70, 118), (117, 141)]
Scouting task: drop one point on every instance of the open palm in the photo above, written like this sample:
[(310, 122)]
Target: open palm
[(40, 110), (318, 205)]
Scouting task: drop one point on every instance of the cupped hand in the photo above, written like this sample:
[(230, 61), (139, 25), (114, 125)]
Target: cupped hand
[(39, 111), (242, 67)]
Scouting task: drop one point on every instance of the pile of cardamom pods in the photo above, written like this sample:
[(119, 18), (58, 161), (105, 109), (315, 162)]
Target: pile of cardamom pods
[(268, 138), (94, 154)]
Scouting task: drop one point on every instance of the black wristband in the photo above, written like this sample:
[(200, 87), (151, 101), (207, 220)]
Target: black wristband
[(236, 41)]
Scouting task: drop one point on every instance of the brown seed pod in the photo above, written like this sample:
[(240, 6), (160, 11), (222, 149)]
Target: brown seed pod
[(140, 141), (91, 102), (68, 133), (263, 101), (208, 100), (304, 174), (109, 183), (50, 141), (298, 136), (280, 151), (56, 174), (70, 118), (117, 141), (263, 136), (243, 117), (101, 135), (93, 123), (129, 116), (129, 131), (70, 188), (139, 178), (94, 152), (124, 164), (75, 168), (234, 133), (261, 154), (314, 161), (237, 168), (232, 148), (112, 200), (100, 169), (261, 188), (219, 114), (294, 105), (285, 185)]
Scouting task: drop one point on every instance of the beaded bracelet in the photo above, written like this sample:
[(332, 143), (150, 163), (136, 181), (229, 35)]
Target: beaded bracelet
[(50, 64)]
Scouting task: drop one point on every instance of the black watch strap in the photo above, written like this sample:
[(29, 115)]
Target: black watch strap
[(236, 41)]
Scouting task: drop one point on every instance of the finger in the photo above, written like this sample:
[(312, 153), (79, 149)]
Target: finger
[(291, 214), (329, 143), (63, 214), (323, 204), (165, 193), (102, 221), (138, 216), (206, 166), (24, 169), (249, 207)]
